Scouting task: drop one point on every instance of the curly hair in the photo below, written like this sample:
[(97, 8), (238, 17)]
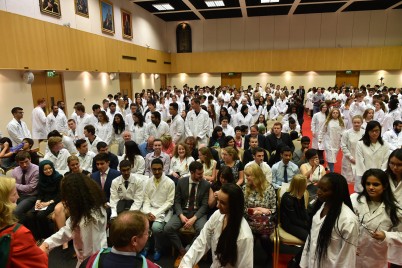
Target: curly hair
[(186, 149), (6, 207), (82, 196)]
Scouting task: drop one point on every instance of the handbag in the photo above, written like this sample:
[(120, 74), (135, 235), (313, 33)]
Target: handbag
[(262, 224)]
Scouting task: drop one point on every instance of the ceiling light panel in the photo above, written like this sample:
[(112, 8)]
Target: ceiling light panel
[(269, 1), (215, 3), (163, 7)]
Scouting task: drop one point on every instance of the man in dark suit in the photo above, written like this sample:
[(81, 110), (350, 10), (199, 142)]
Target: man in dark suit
[(300, 92), (190, 205), (113, 160), (248, 154), (254, 133), (105, 175), (275, 141)]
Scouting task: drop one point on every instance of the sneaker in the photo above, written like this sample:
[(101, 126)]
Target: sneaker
[(157, 255)]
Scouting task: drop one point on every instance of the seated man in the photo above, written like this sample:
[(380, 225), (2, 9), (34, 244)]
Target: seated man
[(129, 233), (190, 205), (126, 192), (68, 142), (113, 160), (258, 154), (84, 155), (158, 202), (105, 175), (299, 157), (275, 141), (248, 154), (147, 147), (284, 170), (57, 154), (26, 177), (254, 133), (157, 153)]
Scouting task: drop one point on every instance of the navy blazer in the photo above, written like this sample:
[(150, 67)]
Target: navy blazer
[(182, 194), (261, 141), (108, 183)]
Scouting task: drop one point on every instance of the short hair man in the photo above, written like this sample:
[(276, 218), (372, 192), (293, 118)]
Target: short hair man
[(84, 155), (248, 155), (197, 122), (129, 233), (254, 133), (56, 121), (126, 192), (177, 125), (83, 119), (102, 147), (275, 141), (72, 129), (157, 153), (190, 205), (16, 128), (147, 146), (299, 157), (39, 121), (156, 127), (258, 155), (92, 139), (284, 170), (68, 142), (57, 154), (394, 136), (158, 202), (105, 175), (26, 177)]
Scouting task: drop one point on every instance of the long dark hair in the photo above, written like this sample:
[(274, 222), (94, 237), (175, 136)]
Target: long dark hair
[(366, 137), (215, 132), (397, 153), (227, 114), (225, 172), (131, 151), (340, 196), (119, 127), (387, 196), (226, 249), (140, 119), (82, 196)]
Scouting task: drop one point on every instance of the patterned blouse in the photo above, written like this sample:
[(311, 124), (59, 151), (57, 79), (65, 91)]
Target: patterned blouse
[(237, 167), (254, 199)]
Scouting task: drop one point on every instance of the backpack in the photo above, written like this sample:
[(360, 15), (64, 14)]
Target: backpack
[(5, 245), (98, 259)]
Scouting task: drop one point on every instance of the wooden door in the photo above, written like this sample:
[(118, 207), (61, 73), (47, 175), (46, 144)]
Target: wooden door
[(50, 88), (126, 84), (162, 77), (347, 79), (232, 80)]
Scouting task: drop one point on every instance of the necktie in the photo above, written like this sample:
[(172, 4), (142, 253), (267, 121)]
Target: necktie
[(285, 173), (23, 182), (103, 179), (126, 184), (191, 199)]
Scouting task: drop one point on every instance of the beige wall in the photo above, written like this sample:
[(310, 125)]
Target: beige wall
[(391, 78), (326, 30), (14, 92), (145, 81), (204, 79)]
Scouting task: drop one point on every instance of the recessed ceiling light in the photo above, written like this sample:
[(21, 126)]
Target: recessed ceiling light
[(215, 3), (269, 1), (163, 7)]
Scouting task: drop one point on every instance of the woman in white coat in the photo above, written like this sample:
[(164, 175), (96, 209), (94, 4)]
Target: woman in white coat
[(104, 129), (380, 217), (348, 144), (334, 231), (371, 152), (243, 117), (330, 135), (317, 123)]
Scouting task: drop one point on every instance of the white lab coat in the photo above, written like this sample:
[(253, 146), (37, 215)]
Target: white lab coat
[(138, 133), (348, 145), (17, 132), (341, 251), (371, 252), (394, 140), (197, 126), (157, 131), (240, 119), (389, 118), (281, 105), (316, 125), (58, 123), (81, 123), (272, 114), (208, 239), (104, 132), (330, 136), (177, 129), (39, 123)]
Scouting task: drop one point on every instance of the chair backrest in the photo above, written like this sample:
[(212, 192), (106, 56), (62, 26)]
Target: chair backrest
[(297, 144), (2, 171), (280, 193), (8, 173), (42, 147), (114, 148)]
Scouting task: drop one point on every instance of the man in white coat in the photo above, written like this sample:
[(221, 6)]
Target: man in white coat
[(17, 129), (56, 121), (394, 136), (177, 125), (158, 202), (39, 121), (197, 122)]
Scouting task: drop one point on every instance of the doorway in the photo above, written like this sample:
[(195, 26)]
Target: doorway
[(347, 78), (48, 87), (126, 84), (162, 77), (232, 80)]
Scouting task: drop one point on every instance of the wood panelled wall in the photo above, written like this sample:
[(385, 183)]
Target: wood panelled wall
[(28, 43)]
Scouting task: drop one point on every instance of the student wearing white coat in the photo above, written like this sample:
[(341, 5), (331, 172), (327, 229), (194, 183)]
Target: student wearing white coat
[(177, 125), (16, 128), (39, 121), (380, 236), (348, 144), (394, 171), (197, 122), (371, 152), (243, 118), (56, 120), (317, 124), (334, 231)]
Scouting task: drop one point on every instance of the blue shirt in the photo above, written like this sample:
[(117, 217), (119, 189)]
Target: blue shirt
[(278, 170), (144, 149)]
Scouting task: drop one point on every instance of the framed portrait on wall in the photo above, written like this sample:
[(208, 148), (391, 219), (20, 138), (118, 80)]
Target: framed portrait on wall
[(50, 7), (126, 24), (81, 8), (107, 16)]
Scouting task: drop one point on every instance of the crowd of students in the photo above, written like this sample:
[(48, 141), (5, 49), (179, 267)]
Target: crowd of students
[(174, 150)]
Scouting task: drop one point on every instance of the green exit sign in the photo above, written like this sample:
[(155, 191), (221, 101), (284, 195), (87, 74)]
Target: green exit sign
[(231, 74), (51, 73), (348, 72)]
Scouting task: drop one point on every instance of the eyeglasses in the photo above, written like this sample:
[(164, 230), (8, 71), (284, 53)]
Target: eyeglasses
[(371, 232)]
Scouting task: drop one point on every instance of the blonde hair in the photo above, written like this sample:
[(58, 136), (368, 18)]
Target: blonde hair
[(298, 182), (259, 181), (166, 139), (6, 207), (232, 152), (53, 141), (329, 117)]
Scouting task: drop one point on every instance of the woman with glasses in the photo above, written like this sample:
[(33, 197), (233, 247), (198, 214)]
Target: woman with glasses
[(371, 152), (380, 218)]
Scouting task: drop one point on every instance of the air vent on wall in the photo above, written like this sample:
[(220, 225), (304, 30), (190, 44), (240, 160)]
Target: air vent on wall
[(128, 57), (151, 60), (167, 62)]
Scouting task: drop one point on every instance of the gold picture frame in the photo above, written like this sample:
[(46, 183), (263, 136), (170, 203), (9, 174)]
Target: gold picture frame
[(107, 16)]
